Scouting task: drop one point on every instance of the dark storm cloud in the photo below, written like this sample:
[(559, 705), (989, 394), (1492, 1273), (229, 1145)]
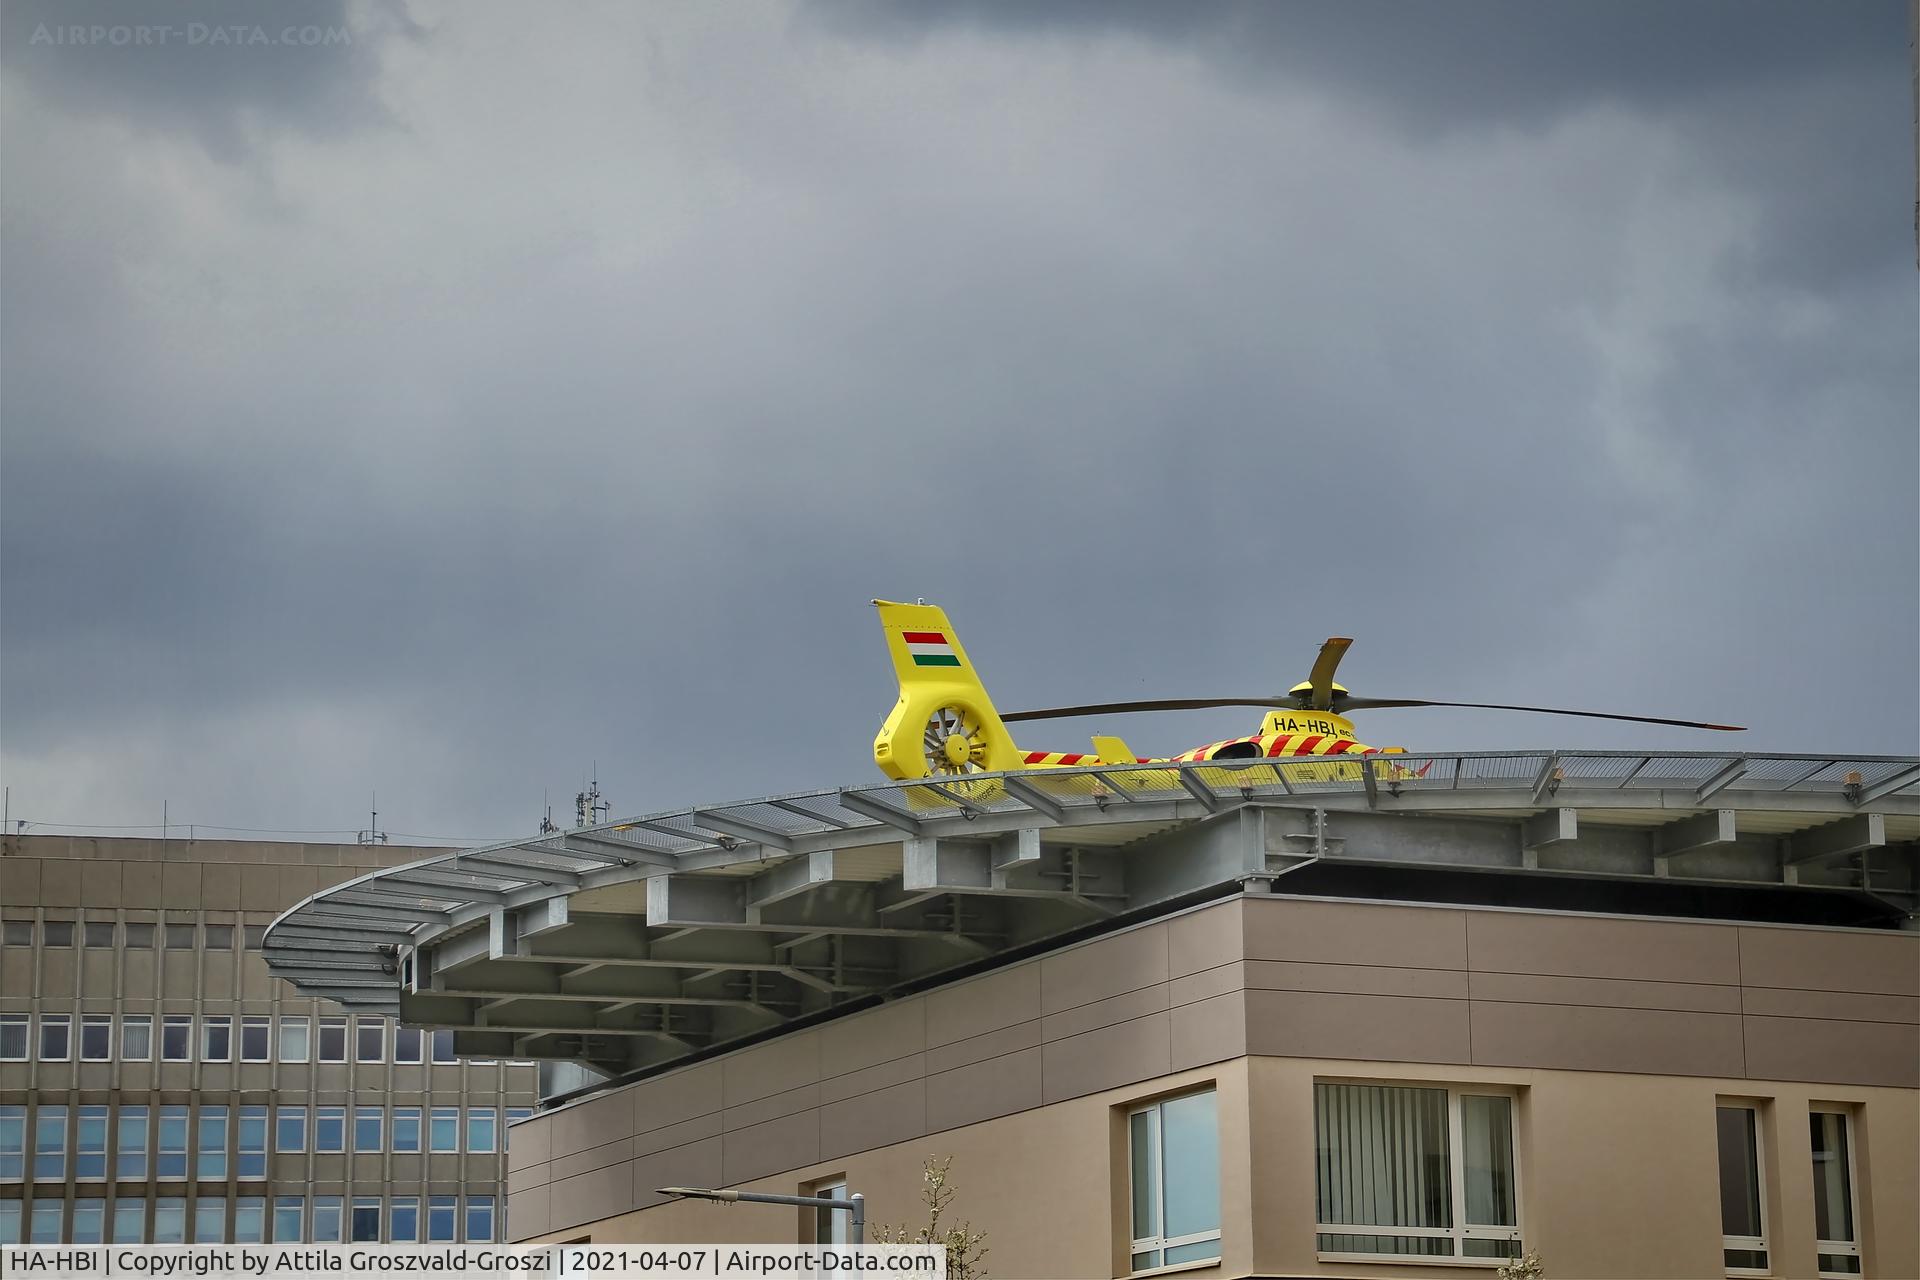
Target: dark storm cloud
[(470, 456), (218, 68), (1489, 62)]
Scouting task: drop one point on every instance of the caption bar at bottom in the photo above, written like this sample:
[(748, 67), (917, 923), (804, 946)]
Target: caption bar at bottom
[(534, 1262)]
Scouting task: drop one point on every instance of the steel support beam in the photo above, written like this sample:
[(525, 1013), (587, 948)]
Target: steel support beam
[(1034, 798), (1726, 777), (1849, 835), (1714, 829), (1889, 784), (795, 876), (1208, 798), (1546, 829), (880, 811), (729, 824)]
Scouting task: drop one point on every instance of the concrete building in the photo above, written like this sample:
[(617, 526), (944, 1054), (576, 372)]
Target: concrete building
[(1650, 1015), (158, 1084)]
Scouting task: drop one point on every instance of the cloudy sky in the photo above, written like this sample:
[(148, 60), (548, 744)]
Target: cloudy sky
[(440, 399)]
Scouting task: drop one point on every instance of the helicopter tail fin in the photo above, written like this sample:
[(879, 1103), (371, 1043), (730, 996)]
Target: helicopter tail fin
[(1113, 750), (944, 723)]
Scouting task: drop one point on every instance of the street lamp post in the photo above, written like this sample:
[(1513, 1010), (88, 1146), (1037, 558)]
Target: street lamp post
[(854, 1205)]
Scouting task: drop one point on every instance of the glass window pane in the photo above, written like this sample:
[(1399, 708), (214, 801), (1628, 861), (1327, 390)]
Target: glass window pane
[(1145, 1159), (176, 1037), (180, 937), (130, 1147), (333, 1040), (139, 934), (406, 1044), (98, 933), (171, 1158), (13, 1037), (370, 1040), (50, 1144), (1739, 1173), (10, 1221), (250, 1144), (1747, 1259), (211, 1161), (255, 1034), (366, 1128), (210, 1220), (219, 937), (90, 1143), (445, 1129), (294, 1035), (96, 1038), (13, 1142), (1381, 1158), (89, 1221), (17, 933), (443, 1046), (253, 936), (1839, 1264), (290, 1129), (479, 1219), (216, 1039), (169, 1220), (1190, 1152), (136, 1037), (480, 1127), (442, 1214), (288, 1211), (330, 1129), (1418, 1246), (366, 1219), (129, 1220), (1486, 1131), (249, 1219), (326, 1219), (56, 1035), (403, 1220), (1832, 1181), (406, 1128), (57, 933), (45, 1226), (1195, 1252)]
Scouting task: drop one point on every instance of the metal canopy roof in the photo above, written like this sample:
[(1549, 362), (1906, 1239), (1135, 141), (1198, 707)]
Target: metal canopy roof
[(640, 941)]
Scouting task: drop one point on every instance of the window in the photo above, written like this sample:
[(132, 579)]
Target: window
[(136, 1037), (170, 1154), (129, 1220), (219, 937), (329, 1128), (139, 934), (211, 1157), (96, 1038), (130, 1145), (179, 937), (176, 1037), (13, 1037), (56, 1036), (326, 1219), (13, 1143), (256, 1037), (17, 933), (830, 1226), (1423, 1172), (56, 933), (45, 1228), (406, 1128), (444, 1130), (443, 1046), (250, 1143), (403, 1220), (369, 1040), (169, 1220), (216, 1039), (89, 1221), (90, 1143), (406, 1044), (288, 1213), (210, 1220), (50, 1144), (442, 1217), (294, 1035), (253, 936), (1743, 1213), (1175, 1178), (481, 1123), (290, 1129), (479, 1219), (1839, 1246), (366, 1128), (365, 1222), (9, 1222), (333, 1040), (515, 1114), (98, 933), (249, 1220)]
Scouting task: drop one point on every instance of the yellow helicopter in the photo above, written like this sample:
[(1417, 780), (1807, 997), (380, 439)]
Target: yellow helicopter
[(945, 726)]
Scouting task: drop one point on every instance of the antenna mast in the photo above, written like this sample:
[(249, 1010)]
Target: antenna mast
[(588, 806), (373, 834)]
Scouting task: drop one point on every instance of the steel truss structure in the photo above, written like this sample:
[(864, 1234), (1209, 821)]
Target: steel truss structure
[(633, 944)]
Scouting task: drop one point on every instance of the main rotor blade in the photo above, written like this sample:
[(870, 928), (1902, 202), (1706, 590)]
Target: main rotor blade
[(1362, 704), (1159, 704), (1324, 666)]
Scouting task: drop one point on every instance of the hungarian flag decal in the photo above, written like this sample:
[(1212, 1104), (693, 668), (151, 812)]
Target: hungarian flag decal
[(929, 649)]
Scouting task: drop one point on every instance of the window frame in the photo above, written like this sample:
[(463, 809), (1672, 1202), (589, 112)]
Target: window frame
[(23, 1022), (304, 1036), (52, 1158), (1163, 1242), (376, 1117), (281, 1116), (1849, 1131), (487, 1203), (362, 1027), (413, 1118), (182, 1023), (123, 1129), (252, 1163), (434, 1117), (178, 1116), (63, 1022), (19, 1158), (298, 1206), (128, 1023), (90, 931), (211, 1159), (94, 1207), (92, 1154), (264, 1027), (489, 1120), (118, 1213), (1461, 1231), (321, 1115), (320, 1039), (209, 1024), (396, 1206), (96, 1022), (1752, 1244), (409, 1045)]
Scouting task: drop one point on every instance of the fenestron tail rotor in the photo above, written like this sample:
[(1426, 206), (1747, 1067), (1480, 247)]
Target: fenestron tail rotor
[(952, 743)]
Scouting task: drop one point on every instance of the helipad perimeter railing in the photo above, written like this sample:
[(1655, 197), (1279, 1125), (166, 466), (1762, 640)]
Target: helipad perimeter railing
[(343, 942)]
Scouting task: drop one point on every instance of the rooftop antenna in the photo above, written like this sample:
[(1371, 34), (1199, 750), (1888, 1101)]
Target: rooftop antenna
[(547, 826), (588, 806), (373, 834)]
